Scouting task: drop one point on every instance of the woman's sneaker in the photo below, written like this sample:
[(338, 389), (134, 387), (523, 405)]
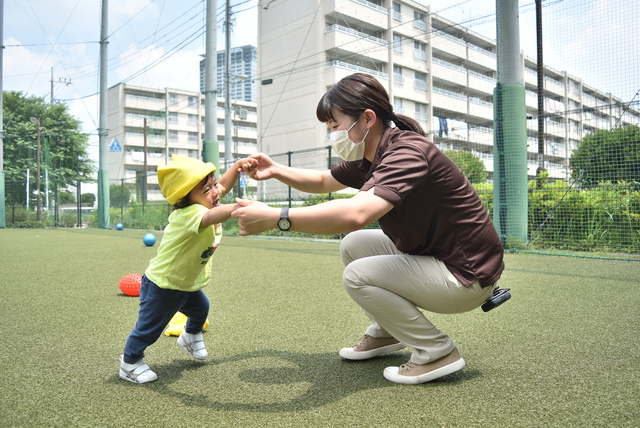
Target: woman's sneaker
[(138, 372), (193, 344), (412, 373), (370, 347)]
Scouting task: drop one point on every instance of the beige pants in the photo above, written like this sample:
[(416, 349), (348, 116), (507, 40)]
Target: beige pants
[(390, 286)]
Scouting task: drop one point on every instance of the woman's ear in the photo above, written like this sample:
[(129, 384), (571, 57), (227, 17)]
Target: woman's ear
[(370, 118)]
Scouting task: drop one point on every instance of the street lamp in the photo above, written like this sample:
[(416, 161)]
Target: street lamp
[(36, 122)]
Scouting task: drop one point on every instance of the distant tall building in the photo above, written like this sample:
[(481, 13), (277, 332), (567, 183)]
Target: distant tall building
[(243, 70)]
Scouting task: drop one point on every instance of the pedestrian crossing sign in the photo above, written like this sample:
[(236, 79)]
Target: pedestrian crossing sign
[(115, 146)]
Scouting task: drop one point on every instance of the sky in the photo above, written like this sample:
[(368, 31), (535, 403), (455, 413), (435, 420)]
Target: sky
[(159, 43)]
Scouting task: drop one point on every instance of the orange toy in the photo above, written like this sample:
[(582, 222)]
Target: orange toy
[(130, 284)]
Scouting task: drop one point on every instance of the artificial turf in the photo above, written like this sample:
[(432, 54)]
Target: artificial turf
[(562, 352)]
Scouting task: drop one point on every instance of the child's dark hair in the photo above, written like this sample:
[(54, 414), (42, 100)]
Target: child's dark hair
[(186, 201), (358, 92)]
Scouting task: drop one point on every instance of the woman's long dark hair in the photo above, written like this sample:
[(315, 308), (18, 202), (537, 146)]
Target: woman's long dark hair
[(358, 92)]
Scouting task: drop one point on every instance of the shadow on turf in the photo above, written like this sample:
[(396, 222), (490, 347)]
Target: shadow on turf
[(330, 379)]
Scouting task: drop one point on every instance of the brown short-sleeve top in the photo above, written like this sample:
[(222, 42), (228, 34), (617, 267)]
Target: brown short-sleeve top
[(436, 210)]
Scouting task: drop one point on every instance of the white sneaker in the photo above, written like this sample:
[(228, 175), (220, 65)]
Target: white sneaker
[(138, 372), (370, 347), (193, 344), (413, 374)]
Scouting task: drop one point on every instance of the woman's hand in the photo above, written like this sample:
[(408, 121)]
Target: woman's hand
[(261, 167), (255, 217)]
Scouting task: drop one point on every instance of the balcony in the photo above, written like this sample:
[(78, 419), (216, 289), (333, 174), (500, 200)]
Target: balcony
[(481, 83), (448, 72), (480, 109), (351, 41), (448, 100), (553, 86), (348, 68), (360, 10), (141, 102), (448, 45), (483, 57)]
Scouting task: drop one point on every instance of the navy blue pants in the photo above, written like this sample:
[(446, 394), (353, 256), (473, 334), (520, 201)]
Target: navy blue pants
[(157, 307)]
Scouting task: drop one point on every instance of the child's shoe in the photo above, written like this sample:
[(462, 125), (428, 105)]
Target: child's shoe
[(138, 372), (193, 344)]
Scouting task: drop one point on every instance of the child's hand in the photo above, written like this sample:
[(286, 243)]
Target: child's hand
[(248, 165), (260, 167)]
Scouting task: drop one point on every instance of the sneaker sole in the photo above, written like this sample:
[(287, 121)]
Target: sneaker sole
[(391, 373), (350, 354), (124, 376)]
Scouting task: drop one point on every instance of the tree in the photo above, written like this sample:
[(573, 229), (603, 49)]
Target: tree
[(608, 156), (63, 147), (66, 197), (471, 165), (88, 198), (119, 195)]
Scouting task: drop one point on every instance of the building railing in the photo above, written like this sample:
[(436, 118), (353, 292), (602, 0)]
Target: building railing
[(372, 6), (357, 68), (359, 34)]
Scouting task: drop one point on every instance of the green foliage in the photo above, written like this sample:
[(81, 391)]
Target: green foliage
[(608, 156), (602, 218), (470, 164), (120, 195), (88, 198), (63, 147), (66, 197)]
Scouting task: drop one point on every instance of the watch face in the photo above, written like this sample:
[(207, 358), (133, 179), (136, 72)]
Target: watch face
[(284, 224)]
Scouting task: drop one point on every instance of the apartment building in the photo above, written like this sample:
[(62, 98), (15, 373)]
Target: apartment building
[(174, 124), (243, 68), (435, 70)]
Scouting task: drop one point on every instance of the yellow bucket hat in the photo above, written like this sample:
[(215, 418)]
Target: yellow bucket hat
[(181, 175)]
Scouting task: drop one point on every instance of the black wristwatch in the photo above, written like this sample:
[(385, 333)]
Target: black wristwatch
[(284, 224)]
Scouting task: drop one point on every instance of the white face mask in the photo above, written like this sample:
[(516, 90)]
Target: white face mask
[(344, 147)]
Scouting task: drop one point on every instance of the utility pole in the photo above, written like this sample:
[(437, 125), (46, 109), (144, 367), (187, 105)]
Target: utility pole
[(210, 148), (228, 143), (144, 170), (36, 122), (510, 130), (540, 69), (51, 99), (103, 132), (2, 205)]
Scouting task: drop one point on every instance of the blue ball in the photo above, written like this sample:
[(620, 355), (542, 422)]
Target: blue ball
[(149, 239), (119, 226)]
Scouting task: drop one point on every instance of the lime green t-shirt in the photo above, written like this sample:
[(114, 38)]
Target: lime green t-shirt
[(183, 259)]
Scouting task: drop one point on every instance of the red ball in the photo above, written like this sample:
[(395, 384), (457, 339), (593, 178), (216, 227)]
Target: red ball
[(130, 284)]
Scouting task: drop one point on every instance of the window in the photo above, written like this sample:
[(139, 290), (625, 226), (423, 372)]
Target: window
[(397, 105), (397, 11), (173, 117), (397, 43), (421, 81), (193, 137), (421, 111), (419, 20), (419, 51), (173, 135), (397, 75), (173, 99), (193, 101), (193, 119)]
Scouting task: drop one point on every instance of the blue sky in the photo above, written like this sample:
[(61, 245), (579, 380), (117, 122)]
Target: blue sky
[(598, 40)]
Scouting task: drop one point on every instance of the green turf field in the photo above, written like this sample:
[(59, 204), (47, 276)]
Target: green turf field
[(562, 352)]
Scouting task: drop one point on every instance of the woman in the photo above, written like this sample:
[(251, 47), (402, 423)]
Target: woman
[(437, 249)]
